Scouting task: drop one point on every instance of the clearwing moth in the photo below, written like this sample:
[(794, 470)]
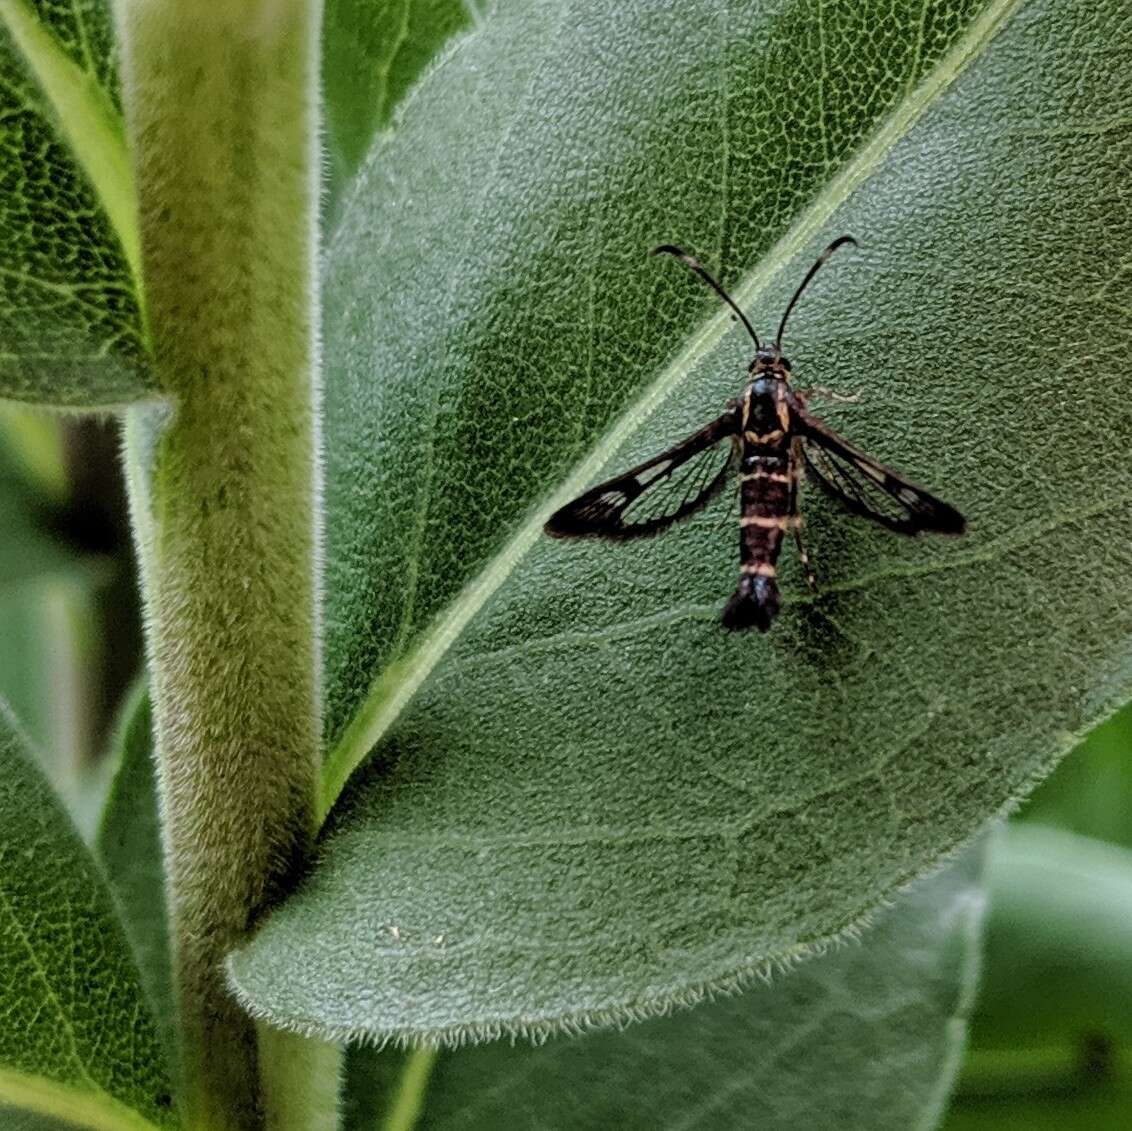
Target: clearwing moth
[(765, 438)]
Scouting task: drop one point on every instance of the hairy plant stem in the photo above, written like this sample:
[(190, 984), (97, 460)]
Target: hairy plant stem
[(221, 103)]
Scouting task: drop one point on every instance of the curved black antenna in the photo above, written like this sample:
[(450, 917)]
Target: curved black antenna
[(684, 257), (841, 241)]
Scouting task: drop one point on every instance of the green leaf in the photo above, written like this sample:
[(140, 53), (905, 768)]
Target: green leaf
[(1059, 945), (71, 324), (587, 801), (1053, 1028), (373, 51), (28, 549), (1091, 791), (129, 846), (77, 1040), (48, 597), (12, 1119), (867, 1036), (33, 442), (1065, 1107), (1052, 1038), (45, 630)]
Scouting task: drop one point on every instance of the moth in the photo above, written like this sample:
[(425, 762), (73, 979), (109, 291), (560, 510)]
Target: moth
[(765, 439)]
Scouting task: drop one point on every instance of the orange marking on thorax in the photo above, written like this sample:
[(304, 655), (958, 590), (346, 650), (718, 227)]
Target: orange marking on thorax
[(783, 409), (764, 437)]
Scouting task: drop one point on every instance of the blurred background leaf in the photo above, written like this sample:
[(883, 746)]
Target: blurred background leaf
[(1091, 791), (70, 634), (47, 613), (1051, 1042)]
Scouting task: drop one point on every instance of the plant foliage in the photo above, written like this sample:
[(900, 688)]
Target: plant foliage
[(77, 1040), (586, 801)]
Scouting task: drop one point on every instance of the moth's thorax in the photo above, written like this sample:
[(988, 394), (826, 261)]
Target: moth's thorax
[(765, 409)]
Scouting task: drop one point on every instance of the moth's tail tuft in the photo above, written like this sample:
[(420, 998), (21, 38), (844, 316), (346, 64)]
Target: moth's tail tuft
[(754, 604)]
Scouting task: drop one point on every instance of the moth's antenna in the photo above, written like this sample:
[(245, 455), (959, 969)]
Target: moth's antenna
[(839, 242), (684, 257)]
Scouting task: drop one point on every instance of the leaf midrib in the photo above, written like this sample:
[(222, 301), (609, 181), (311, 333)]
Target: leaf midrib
[(95, 1109), (394, 687)]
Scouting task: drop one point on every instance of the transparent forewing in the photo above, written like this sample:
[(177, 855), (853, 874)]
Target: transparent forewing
[(680, 492), (649, 498), (856, 492), (870, 489)]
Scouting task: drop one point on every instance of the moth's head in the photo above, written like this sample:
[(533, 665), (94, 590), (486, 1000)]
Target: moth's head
[(769, 360)]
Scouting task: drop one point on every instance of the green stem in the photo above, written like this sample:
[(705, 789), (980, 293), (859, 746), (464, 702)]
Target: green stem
[(301, 1079), (408, 1103), (221, 107), (1002, 1073)]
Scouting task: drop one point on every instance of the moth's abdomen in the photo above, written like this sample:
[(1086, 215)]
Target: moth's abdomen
[(766, 492), (754, 604)]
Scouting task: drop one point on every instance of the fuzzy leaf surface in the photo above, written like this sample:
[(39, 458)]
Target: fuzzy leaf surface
[(586, 800), (129, 846), (373, 51), (867, 1036), (70, 316), (77, 1038)]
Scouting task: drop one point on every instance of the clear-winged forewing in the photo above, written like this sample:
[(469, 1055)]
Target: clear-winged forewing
[(649, 498), (868, 488)]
